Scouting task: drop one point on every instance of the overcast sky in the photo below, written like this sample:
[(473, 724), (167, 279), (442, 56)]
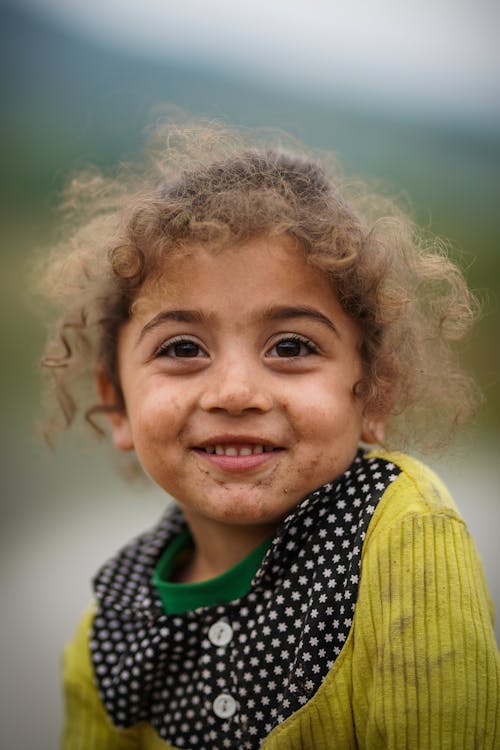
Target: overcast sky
[(420, 53)]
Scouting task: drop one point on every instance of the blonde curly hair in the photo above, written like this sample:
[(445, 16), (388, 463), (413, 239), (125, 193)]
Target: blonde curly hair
[(206, 183)]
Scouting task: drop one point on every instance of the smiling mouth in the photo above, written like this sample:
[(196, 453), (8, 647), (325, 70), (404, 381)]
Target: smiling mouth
[(236, 450)]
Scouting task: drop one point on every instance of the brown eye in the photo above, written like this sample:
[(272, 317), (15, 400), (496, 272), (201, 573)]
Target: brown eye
[(289, 348), (185, 349), (180, 349), (292, 346)]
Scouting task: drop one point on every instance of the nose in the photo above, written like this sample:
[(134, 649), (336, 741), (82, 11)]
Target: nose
[(236, 387)]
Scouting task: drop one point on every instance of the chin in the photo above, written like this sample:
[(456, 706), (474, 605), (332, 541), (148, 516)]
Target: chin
[(245, 512)]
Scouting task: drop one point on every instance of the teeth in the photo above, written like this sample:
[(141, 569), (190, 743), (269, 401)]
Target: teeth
[(237, 450)]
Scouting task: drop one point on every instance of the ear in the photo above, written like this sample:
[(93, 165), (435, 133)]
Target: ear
[(373, 430), (115, 411)]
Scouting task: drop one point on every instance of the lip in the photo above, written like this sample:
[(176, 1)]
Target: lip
[(237, 464)]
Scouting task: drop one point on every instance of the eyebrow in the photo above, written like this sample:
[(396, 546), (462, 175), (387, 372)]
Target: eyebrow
[(303, 311), (180, 316), (276, 313)]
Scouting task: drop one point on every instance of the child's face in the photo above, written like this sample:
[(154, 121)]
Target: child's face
[(237, 373)]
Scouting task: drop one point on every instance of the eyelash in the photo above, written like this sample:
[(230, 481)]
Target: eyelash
[(296, 339), (163, 349), (166, 345)]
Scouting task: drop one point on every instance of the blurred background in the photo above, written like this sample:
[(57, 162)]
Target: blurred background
[(405, 93)]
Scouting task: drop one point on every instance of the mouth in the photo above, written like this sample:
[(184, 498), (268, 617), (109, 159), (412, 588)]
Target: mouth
[(236, 449), (237, 455)]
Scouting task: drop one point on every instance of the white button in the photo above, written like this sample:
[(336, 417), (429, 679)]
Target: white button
[(224, 706), (220, 633)]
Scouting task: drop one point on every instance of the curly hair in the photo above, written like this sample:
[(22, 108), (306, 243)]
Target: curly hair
[(206, 183)]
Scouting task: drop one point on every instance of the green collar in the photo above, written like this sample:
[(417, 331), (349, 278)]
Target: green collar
[(183, 597)]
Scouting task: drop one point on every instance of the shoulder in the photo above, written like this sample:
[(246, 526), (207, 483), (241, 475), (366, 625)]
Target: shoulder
[(417, 529), (417, 491), (417, 540)]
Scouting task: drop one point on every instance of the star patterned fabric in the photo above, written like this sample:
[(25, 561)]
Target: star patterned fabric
[(225, 676)]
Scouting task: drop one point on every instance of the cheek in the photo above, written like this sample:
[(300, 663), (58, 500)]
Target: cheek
[(153, 428), (159, 408), (319, 414)]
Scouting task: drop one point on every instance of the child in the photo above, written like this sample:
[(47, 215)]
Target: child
[(248, 324)]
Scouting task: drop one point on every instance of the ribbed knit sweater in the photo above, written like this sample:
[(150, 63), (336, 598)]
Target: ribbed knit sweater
[(419, 668)]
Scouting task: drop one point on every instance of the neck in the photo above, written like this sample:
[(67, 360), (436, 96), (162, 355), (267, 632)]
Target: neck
[(217, 546)]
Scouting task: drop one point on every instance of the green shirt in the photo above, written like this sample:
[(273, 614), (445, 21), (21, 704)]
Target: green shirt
[(230, 585)]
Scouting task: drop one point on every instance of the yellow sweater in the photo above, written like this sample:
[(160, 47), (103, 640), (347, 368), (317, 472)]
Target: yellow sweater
[(420, 668)]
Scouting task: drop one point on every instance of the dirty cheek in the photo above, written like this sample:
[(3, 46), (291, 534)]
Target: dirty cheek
[(299, 476)]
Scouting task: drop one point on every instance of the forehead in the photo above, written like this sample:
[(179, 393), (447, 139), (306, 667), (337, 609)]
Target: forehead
[(273, 268)]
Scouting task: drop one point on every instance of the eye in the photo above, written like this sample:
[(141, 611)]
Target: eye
[(292, 346), (180, 347)]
